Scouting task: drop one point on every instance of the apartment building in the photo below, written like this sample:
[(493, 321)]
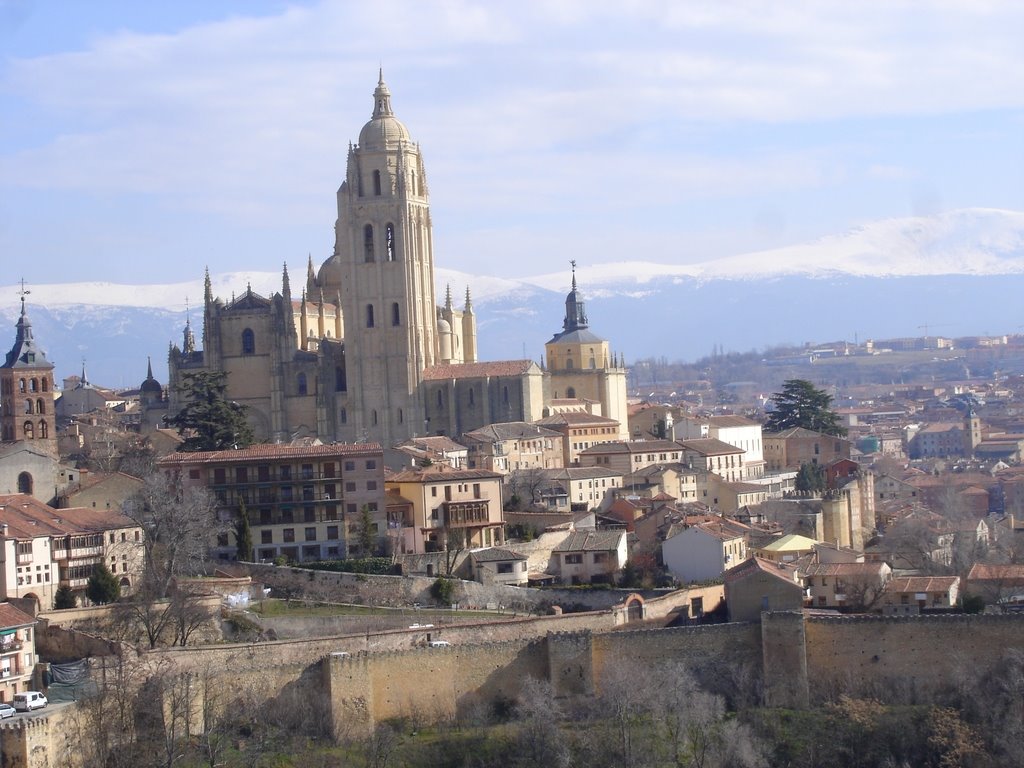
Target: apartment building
[(17, 651), (434, 508), (42, 548), (305, 502)]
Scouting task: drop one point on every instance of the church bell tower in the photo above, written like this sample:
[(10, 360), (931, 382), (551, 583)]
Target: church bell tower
[(383, 267)]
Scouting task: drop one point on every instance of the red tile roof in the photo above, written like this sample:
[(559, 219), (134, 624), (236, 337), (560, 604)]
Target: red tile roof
[(12, 617), (270, 451), (477, 370), (29, 518)]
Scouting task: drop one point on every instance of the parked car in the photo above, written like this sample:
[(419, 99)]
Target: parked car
[(6, 710), (440, 644), (29, 700)]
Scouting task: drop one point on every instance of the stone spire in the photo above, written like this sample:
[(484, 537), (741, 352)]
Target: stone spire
[(469, 301), (286, 287), (189, 341), (575, 311), (448, 297), (207, 289), (382, 98), (25, 351)]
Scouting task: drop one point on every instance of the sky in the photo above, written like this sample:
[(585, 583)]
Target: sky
[(143, 142)]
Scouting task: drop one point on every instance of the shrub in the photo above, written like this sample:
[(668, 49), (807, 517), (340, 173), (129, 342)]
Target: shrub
[(443, 590)]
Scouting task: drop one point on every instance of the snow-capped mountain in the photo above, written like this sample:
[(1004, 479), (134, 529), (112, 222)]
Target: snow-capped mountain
[(960, 272)]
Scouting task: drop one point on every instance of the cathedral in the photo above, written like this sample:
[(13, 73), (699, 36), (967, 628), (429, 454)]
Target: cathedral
[(366, 352)]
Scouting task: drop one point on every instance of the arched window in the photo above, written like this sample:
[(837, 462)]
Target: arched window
[(34, 386), (369, 315), (376, 183), (389, 241), (248, 342), (21, 385), (569, 364), (396, 318), (28, 406), (46, 385), (593, 363), (570, 393), (300, 381), (368, 243), (340, 381), (25, 483), (44, 430), (29, 433), (40, 406), (343, 416)]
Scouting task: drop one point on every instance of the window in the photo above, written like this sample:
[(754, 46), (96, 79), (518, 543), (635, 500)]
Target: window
[(289, 534), (311, 534), (343, 416), (266, 537), (396, 317), (340, 380), (25, 483), (389, 241), (373, 417), (371, 464), (248, 342), (505, 567), (33, 386), (350, 487), (332, 532), (368, 243), (471, 397), (29, 433), (376, 183), (286, 472), (41, 408), (573, 559), (300, 382), (571, 391), (350, 466), (371, 485)]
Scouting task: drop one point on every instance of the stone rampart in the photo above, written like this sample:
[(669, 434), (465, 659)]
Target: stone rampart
[(904, 658), (405, 591)]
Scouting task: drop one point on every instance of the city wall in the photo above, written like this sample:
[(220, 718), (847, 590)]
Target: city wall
[(404, 591)]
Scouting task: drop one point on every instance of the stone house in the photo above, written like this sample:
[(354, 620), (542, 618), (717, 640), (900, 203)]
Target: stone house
[(856, 586), (703, 551), (791, 448), (497, 565), (921, 592), (512, 446), (591, 557), (757, 585)]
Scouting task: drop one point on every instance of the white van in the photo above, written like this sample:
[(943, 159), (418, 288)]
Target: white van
[(29, 700)]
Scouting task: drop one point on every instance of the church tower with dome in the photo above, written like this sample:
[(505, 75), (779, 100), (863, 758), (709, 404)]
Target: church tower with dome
[(383, 269), (583, 372)]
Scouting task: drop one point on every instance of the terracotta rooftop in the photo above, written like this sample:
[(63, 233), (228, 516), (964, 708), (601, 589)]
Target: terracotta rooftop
[(710, 446), (591, 541), (12, 617), (575, 419), (922, 583), (28, 518), (439, 473), (269, 451), (785, 572), (477, 370)]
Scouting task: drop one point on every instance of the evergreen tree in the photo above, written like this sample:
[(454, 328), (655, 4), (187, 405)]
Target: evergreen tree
[(810, 479), (209, 421), (64, 598), (243, 533), (367, 536), (103, 586), (801, 404)]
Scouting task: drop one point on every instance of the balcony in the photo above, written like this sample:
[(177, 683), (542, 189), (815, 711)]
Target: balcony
[(11, 647), (24, 558)]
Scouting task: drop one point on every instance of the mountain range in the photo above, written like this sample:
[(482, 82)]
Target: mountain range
[(953, 274)]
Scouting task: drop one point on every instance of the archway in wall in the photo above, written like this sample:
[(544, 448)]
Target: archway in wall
[(25, 483), (635, 610), (34, 598)]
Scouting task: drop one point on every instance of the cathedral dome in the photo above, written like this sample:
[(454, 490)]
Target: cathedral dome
[(384, 128), (382, 131)]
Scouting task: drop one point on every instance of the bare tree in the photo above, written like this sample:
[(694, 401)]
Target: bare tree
[(539, 741), (179, 524)]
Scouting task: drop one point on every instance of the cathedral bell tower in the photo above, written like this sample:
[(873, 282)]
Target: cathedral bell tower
[(26, 391), (383, 267)]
